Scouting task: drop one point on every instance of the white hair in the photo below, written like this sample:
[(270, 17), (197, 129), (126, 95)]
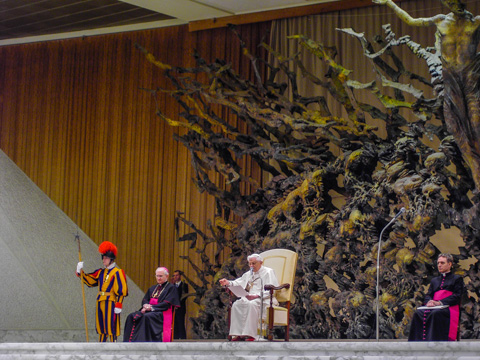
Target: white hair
[(164, 269), (255, 256)]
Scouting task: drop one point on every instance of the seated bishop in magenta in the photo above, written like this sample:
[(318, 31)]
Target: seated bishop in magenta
[(153, 322)]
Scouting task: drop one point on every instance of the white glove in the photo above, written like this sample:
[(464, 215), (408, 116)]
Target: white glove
[(79, 267), (118, 310)]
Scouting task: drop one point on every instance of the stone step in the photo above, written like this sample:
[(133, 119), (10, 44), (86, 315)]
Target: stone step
[(221, 350)]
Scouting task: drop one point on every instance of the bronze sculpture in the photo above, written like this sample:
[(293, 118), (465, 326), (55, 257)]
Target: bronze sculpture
[(290, 140)]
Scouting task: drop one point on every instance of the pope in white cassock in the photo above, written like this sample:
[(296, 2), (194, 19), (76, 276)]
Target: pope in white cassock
[(245, 314)]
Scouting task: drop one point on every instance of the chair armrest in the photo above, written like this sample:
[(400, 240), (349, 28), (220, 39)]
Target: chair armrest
[(272, 288)]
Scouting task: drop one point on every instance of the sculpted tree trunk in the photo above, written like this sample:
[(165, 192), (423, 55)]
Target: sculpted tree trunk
[(457, 38)]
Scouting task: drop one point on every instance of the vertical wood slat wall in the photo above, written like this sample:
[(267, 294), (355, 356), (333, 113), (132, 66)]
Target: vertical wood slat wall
[(75, 120)]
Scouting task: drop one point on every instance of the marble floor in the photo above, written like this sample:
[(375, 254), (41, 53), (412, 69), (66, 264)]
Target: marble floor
[(213, 350)]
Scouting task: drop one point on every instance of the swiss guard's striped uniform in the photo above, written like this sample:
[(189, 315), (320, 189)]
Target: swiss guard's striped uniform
[(112, 286)]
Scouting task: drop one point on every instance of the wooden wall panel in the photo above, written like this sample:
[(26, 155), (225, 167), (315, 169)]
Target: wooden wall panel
[(74, 118)]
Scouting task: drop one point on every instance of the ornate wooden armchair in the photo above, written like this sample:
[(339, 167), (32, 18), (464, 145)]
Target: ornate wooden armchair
[(284, 263)]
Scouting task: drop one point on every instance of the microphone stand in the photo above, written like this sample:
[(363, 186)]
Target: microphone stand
[(402, 210), (261, 311)]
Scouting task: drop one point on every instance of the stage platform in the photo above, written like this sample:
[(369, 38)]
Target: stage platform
[(220, 350)]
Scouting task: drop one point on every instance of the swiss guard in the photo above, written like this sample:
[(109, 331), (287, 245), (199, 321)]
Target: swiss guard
[(112, 289)]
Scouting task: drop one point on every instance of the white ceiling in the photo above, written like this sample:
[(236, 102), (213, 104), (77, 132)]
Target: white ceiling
[(206, 9), (23, 21)]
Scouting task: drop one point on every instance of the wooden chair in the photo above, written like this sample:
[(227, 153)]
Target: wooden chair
[(284, 263), (459, 335)]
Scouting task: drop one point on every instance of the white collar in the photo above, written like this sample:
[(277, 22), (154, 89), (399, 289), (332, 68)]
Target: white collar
[(111, 266)]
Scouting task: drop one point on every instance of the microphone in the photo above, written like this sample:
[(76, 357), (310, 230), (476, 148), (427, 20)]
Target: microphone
[(251, 271), (402, 210)]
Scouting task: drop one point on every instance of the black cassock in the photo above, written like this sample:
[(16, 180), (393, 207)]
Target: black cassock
[(153, 325), (439, 324)]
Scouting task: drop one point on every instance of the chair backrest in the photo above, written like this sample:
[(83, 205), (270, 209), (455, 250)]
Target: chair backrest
[(284, 263)]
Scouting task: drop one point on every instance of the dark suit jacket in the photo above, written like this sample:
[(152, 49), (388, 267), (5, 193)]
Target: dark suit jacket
[(179, 327)]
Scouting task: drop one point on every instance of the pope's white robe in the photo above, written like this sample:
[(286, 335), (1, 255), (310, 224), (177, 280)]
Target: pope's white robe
[(245, 314)]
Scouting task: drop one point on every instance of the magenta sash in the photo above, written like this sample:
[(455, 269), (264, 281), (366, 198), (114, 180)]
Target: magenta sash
[(167, 324), (454, 313), (153, 301)]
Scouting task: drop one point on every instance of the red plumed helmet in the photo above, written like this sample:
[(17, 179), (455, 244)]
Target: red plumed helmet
[(106, 248)]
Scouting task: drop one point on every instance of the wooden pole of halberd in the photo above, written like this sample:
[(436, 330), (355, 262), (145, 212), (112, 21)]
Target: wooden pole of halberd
[(83, 289)]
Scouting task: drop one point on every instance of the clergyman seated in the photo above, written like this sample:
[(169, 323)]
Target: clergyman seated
[(153, 322), (246, 311), (438, 319)]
